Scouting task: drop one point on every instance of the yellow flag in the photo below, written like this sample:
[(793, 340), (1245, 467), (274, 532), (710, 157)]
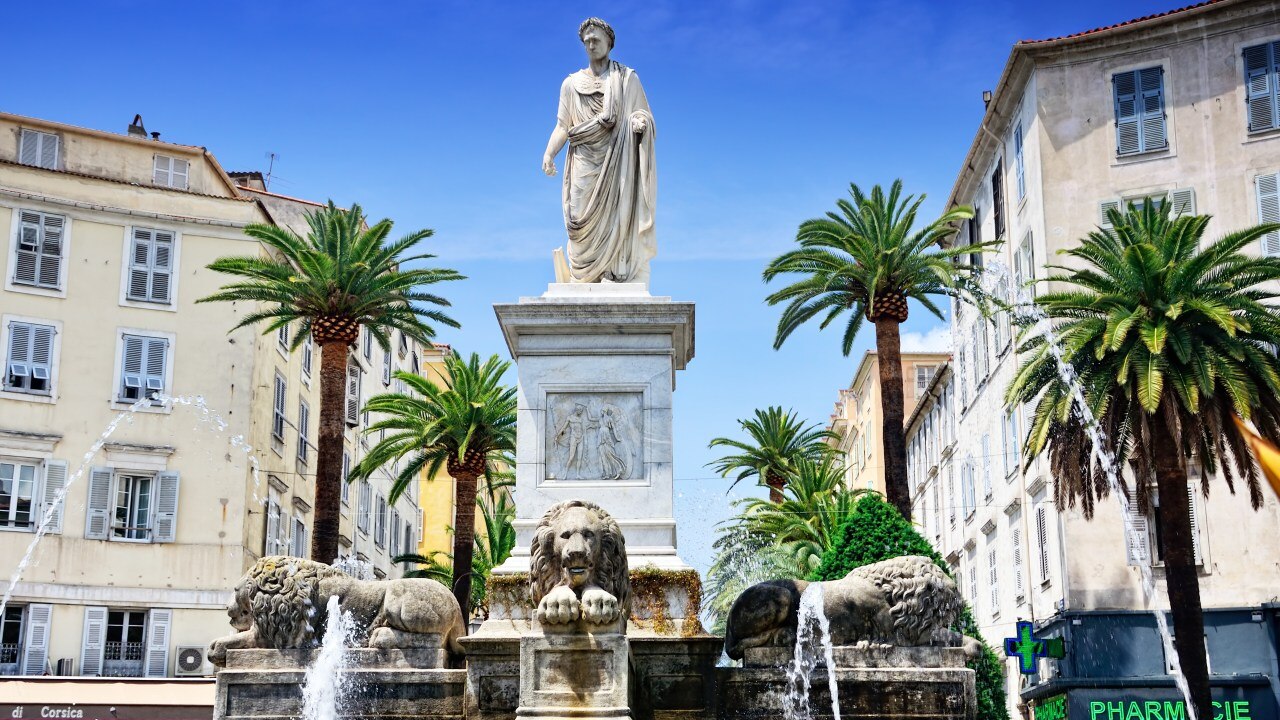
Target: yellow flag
[(1268, 455)]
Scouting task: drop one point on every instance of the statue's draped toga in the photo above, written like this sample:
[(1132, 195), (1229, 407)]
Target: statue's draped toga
[(610, 181)]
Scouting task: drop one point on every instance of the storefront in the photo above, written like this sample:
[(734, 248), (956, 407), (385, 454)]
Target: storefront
[(1240, 702), (65, 698)]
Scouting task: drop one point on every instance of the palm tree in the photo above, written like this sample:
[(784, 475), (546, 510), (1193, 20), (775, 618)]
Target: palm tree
[(867, 259), (342, 276), (1168, 340), (459, 427), (778, 440)]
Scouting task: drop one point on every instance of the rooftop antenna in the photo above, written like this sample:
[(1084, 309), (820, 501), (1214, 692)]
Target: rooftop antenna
[(266, 182)]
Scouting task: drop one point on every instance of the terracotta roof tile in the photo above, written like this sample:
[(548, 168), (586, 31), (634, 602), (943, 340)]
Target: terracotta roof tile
[(1134, 21), (118, 181)]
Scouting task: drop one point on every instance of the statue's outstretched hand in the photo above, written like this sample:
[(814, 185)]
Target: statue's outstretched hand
[(559, 607), (549, 165), (639, 123)]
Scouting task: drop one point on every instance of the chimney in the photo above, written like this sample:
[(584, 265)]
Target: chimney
[(986, 98), (136, 128), (155, 136)]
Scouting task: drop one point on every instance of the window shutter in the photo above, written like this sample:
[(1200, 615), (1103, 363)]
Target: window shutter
[(273, 528), (35, 645), (93, 641), (353, 394), (307, 353), (1019, 162), (304, 422), (1193, 509), (178, 174), (1042, 542), (160, 170), (1128, 119), (994, 578), (1184, 201), (1137, 536), (156, 662), (277, 419), (1017, 562), (55, 479), (1104, 208), (19, 360), (140, 264), (51, 251), (154, 370), (1151, 84), (1260, 77), (1268, 191), (30, 151), (48, 151), (39, 149), (166, 525), (151, 266), (98, 511), (27, 258)]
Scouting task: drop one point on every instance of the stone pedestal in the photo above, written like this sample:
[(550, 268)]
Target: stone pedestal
[(574, 674), (406, 683), (596, 365)]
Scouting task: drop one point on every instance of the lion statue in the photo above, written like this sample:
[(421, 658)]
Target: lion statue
[(282, 602), (578, 567), (902, 601)]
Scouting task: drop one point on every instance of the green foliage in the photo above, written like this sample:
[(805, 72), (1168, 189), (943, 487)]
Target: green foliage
[(777, 440), (441, 426), (867, 250), (876, 531), (743, 557)]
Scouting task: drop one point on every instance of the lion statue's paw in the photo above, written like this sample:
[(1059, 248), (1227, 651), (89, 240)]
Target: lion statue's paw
[(599, 607), (559, 607)]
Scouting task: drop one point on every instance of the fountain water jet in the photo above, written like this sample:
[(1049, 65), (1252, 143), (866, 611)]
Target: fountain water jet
[(325, 685), (813, 632)]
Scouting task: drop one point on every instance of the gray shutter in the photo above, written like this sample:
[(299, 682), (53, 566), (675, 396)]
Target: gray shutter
[(131, 369), (178, 174), (156, 662), (1042, 541), (19, 359), (160, 170), (1268, 191), (28, 254), (140, 264), (1260, 77), (273, 528), (1017, 563), (49, 151), (1184, 201), (1105, 207), (1151, 86), (97, 522), (93, 641), (1128, 118), (55, 479), (166, 525), (1137, 536), (1193, 510), (386, 368), (29, 154), (35, 645), (154, 371), (161, 266), (353, 393), (51, 251)]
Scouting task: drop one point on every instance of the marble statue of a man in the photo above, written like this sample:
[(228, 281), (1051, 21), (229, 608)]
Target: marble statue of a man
[(610, 181)]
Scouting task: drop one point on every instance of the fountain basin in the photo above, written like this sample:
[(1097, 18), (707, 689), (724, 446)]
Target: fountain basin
[(849, 656), (866, 693)]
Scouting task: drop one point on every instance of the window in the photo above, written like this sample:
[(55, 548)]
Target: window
[(299, 543), (937, 516), (30, 359), (282, 337), (365, 507), (1024, 270), (38, 258), (951, 495), (132, 506), (1016, 544), (346, 475), (975, 238), (11, 640), (1267, 188), (961, 378), (39, 149), (353, 393), (386, 368), (970, 493), (973, 580), (366, 344), (18, 494), (979, 352), (150, 266), (1019, 162), (394, 531), (993, 577), (277, 412), (142, 368), (1139, 104), (1011, 440), (924, 373), (380, 523), (404, 344), (1042, 543), (986, 466), (271, 543), (304, 425), (997, 198), (1156, 533), (125, 647), (308, 351), (170, 172), (1262, 86)]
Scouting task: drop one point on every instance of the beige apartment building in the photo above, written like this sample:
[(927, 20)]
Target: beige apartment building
[(857, 418), (1183, 106), (154, 508)]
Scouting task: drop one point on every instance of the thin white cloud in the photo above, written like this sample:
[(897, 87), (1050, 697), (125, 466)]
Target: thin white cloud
[(936, 339)]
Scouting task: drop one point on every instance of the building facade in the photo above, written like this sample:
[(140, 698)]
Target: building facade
[(154, 507), (1181, 107), (858, 418)]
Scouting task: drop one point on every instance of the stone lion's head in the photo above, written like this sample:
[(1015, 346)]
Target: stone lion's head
[(577, 544), (279, 596)]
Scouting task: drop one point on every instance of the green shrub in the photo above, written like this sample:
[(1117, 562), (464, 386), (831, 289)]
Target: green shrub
[(876, 531)]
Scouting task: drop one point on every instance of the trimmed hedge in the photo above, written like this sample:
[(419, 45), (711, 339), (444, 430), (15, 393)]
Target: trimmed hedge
[(876, 531)]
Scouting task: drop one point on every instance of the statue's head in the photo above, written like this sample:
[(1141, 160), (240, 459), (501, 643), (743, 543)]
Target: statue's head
[(597, 38)]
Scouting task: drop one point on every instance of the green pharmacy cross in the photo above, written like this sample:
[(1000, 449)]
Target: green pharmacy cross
[(1028, 648)]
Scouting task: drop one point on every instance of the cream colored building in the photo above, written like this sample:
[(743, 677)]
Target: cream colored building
[(167, 504), (1160, 107), (858, 420)]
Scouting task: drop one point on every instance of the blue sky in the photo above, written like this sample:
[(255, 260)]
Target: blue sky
[(435, 114)]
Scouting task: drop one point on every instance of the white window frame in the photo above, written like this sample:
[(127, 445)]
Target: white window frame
[(37, 492), (345, 494), (116, 476), (14, 227), (308, 358), (922, 386), (1168, 92), (54, 357), (169, 173), (42, 137), (126, 261), (304, 429), (117, 371), (282, 340)]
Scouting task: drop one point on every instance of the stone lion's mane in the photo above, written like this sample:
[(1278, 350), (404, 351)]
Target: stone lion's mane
[(281, 595), (921, 597), (610, 572)]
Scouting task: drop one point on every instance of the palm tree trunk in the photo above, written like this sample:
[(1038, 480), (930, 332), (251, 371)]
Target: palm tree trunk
[(776, 485), (893, 411), (1181, 580), (333, 410), (464, 540)]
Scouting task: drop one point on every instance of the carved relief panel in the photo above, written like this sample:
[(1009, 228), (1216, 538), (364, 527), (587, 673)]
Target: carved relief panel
[(595, 436)]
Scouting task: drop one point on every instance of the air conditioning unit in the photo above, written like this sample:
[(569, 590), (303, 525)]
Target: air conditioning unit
[(190, 661), (65, 666)]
